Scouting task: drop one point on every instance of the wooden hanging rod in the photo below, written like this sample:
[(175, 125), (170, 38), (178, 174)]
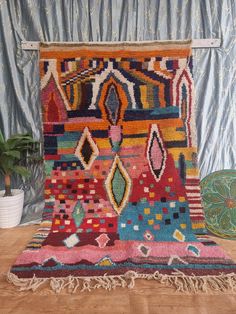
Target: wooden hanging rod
[(196, 43)]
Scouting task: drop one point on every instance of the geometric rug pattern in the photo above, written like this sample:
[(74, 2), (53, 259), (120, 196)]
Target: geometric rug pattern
[(122, 195)]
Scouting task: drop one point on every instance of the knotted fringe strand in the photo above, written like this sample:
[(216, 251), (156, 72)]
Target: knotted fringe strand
[(182, 282)]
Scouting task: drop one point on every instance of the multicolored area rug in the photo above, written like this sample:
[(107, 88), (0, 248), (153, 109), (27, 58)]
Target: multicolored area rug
[(219, 201), (122, 196)]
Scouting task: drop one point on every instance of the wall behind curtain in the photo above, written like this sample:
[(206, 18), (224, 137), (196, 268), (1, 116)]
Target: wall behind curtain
[(120, 20)]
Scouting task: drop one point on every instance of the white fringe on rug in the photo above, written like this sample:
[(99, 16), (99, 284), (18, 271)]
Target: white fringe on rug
[(182, 282)]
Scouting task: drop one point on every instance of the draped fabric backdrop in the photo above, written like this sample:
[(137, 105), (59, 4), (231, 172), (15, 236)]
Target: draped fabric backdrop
[(120, 20)]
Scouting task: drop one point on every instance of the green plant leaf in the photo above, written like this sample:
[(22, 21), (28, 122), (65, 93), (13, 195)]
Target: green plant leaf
[(12, 153), (22, 171), (6, 164), (1, 137), (24, 141), (2, 147), (16, 152)]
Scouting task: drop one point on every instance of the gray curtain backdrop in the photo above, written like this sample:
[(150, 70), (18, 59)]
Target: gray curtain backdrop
[(120, 20)]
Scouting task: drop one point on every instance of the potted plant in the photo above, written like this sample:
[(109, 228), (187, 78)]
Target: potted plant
[(15, 154)]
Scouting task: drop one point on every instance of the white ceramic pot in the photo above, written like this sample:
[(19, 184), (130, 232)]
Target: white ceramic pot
[(11, 208)]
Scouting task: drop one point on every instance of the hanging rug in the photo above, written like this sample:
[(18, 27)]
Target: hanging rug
[(122, 194), (219, 202)]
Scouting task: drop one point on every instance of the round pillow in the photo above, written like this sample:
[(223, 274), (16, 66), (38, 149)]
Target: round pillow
[(219, 202)]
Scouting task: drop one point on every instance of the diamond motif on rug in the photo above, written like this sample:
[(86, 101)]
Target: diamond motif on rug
[(178, 235), (112, 104), (156, 154), (78, 214), (114, 97), (71, 241), (148, 235), (145, 250), (102, 240), (118, 185), (86, 149)]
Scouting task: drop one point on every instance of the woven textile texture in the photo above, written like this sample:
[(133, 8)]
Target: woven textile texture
[(122, 195)]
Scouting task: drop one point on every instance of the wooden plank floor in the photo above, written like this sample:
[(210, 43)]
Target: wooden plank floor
[(147, 297)]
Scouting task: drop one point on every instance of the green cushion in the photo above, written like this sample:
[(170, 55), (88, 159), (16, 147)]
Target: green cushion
[(219, 202)]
